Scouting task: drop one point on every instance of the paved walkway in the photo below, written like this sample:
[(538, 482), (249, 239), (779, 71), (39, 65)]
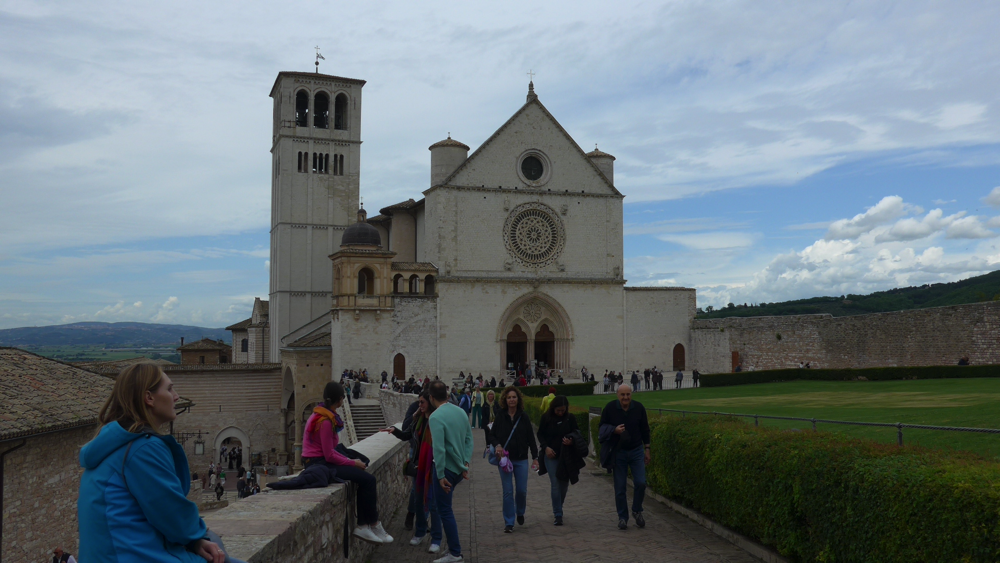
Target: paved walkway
[(590, 533)]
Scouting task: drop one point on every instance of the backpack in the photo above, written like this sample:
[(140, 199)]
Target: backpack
[(465, 403)]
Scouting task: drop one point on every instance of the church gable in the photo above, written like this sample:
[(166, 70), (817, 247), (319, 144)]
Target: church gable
[(532, 151)]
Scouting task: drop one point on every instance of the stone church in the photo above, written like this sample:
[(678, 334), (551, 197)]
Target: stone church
[(511, 256)]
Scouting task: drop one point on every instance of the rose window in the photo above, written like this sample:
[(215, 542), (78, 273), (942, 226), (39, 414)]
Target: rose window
[(533, 234)]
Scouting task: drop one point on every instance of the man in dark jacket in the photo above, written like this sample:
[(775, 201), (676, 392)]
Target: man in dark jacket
[(624, 436)]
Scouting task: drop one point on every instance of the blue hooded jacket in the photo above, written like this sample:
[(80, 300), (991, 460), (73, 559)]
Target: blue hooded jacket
[(144, 518)]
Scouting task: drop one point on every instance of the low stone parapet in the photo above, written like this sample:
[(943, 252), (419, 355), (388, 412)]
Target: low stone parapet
[(308, 525), (394, 404)]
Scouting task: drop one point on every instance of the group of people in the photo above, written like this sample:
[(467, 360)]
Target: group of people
[(234, 455), (651, 379)]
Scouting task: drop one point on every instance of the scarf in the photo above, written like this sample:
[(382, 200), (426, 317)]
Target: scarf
[(324, 414), (425, 458)]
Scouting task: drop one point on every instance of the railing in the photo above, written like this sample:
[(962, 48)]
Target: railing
[(363, 301), (899, 426)]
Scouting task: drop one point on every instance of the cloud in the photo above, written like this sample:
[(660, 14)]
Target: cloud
[(968, 228), (167, 311), (711, 240), (993, 198), (885, 211), (944, 202)]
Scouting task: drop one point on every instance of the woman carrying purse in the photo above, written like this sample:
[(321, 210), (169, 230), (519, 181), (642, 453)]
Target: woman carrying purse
[(512, 436)]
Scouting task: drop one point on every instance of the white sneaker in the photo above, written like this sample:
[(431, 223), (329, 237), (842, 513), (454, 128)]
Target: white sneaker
[(366, 533), (434, 548), (450, 559), (381, 533), (417, 540)]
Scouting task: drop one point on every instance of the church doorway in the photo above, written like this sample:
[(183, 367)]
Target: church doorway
[(399, 367), (736, 360), (679, 357), (545, 343), (517, 348)]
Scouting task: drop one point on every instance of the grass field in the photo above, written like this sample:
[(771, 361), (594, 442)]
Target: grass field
[(941, 402), (84, 353)]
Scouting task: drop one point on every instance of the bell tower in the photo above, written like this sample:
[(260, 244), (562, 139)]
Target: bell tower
[(315, 184)]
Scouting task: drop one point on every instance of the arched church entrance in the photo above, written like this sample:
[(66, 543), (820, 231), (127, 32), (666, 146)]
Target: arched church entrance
[(535, 329), (233, 437), (399, 367), (679, 358)]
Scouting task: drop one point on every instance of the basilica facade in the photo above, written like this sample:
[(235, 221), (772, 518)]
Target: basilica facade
[(511, 256)]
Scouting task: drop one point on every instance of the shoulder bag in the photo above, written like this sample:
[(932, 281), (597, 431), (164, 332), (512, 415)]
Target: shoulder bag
[(491, 453)]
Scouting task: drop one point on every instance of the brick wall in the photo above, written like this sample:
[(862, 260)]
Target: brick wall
[(935, 336), (40, 488)]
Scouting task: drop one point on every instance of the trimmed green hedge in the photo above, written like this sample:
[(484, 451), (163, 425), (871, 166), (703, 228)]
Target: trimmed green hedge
[(870, 374), (568, 389), (533, 408), (819, 497)]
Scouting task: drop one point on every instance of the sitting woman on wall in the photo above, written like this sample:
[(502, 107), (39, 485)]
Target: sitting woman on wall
[(319, 445), (133, 502)]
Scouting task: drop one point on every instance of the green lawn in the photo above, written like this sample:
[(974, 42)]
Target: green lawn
[(942, 402)]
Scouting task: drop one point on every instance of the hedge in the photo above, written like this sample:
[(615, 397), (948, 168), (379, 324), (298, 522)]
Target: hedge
[(870, 374), (568, 389), (820, 497)]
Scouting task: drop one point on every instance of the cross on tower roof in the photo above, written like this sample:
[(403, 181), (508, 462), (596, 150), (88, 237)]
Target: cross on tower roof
[(319, 57), (531, 76)]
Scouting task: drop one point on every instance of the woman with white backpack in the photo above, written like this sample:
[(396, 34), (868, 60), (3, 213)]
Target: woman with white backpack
[(512, 437)]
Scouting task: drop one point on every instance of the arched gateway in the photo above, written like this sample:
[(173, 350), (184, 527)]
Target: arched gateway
[(535, 327)]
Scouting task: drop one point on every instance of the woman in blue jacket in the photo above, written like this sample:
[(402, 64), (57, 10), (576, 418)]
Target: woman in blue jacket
[(133, 502)]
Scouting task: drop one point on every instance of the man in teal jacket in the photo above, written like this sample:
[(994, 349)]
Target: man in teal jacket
[(451, 436)]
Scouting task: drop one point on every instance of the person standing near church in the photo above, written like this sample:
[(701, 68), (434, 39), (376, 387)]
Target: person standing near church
[(635, 381), (477, 406), (679, 379), (451, 438), (624, 437)]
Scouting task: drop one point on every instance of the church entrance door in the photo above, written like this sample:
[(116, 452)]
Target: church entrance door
[(679, 357), (517, 348), (399, 367), (545, 342)]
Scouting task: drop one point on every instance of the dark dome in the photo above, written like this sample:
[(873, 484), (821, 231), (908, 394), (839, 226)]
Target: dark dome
[(361, 234)]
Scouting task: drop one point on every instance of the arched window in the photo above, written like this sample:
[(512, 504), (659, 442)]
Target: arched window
[(326, 164), (314, 163), (301, 167), (244, 345), (321, 106), (397, 283), (366, 282), (336, 169), (341, 168), (429, 285), (414, 284), (340, 112), (302, 109)]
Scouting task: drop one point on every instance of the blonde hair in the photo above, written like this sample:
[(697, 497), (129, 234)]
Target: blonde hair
[(128, 397)]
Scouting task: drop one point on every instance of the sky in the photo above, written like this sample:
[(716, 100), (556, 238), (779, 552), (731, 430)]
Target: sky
[(768, 150)]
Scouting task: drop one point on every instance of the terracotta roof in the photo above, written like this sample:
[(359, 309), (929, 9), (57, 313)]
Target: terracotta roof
[(242, 325), (320, 340), (221, 367), (398, 206), (449, 142), (378, 218), (421, 266), (41, 395), (206, 344)]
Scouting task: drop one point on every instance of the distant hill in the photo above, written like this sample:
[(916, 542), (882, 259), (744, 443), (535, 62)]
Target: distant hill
[(108, 335), (971, 290)]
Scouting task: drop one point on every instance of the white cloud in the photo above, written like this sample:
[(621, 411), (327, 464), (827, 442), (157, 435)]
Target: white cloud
[(711, 241), (167, 311), (885, 211), (968, 227), (993, 198)]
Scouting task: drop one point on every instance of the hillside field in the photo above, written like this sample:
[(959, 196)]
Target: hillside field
[(951, 402)]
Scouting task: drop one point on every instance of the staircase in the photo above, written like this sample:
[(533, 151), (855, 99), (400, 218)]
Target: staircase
[(368, 419)]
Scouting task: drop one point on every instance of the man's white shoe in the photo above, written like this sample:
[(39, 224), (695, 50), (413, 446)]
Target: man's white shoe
[(450, 559), (417, 540), (366, 533), (381, 533), (434, 548)]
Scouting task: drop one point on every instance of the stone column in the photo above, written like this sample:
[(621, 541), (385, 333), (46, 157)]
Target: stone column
[(282, 433), (298, 440)]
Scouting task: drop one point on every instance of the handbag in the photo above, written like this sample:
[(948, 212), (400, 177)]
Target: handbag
[(491, 453), (410, 468)]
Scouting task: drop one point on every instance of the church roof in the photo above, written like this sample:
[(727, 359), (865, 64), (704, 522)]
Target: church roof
[(449, 142), (403, 205), (313, 75), (205, 344), (42, 395), (532, 100), (242, 325), (361, 234), (596, 153), (320, 340)]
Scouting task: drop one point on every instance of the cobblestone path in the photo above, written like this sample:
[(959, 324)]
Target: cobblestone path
[(590, 533)]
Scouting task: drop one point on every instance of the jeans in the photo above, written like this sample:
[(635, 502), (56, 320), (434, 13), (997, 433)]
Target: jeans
[(477, 417), (214, 538), (367, 492), (633, 459), (420, 517), (510, 498), (445, 513), (559, 488)]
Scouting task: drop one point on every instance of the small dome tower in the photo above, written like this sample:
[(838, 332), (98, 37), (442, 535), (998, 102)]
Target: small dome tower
[(446, 157), (605, 163), (361, 233)]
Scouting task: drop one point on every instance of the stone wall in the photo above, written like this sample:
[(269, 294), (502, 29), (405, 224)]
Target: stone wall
[(40, 488), (394, 405), (921, 337), (308, 525), (657, 320)]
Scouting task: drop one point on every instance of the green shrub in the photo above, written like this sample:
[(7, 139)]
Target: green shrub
[(871, 374), (568, 389), (819, 497)]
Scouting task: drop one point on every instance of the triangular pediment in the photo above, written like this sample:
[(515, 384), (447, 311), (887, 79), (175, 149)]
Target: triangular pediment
[(532, 129)]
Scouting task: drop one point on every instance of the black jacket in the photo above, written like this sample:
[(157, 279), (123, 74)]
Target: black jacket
[(636, 423), (523, 439), (552, 429)]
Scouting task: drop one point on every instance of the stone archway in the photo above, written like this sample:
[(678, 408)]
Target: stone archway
[(544, 322), (239, 434)]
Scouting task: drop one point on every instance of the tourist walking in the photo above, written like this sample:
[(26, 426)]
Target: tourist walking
[(512, 436), (490, 409), (132, 503), (624, 438), (561, 461), (679, 379), (695, 376), (451, 438), (319, 446), (636, 385), (477, 407)]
